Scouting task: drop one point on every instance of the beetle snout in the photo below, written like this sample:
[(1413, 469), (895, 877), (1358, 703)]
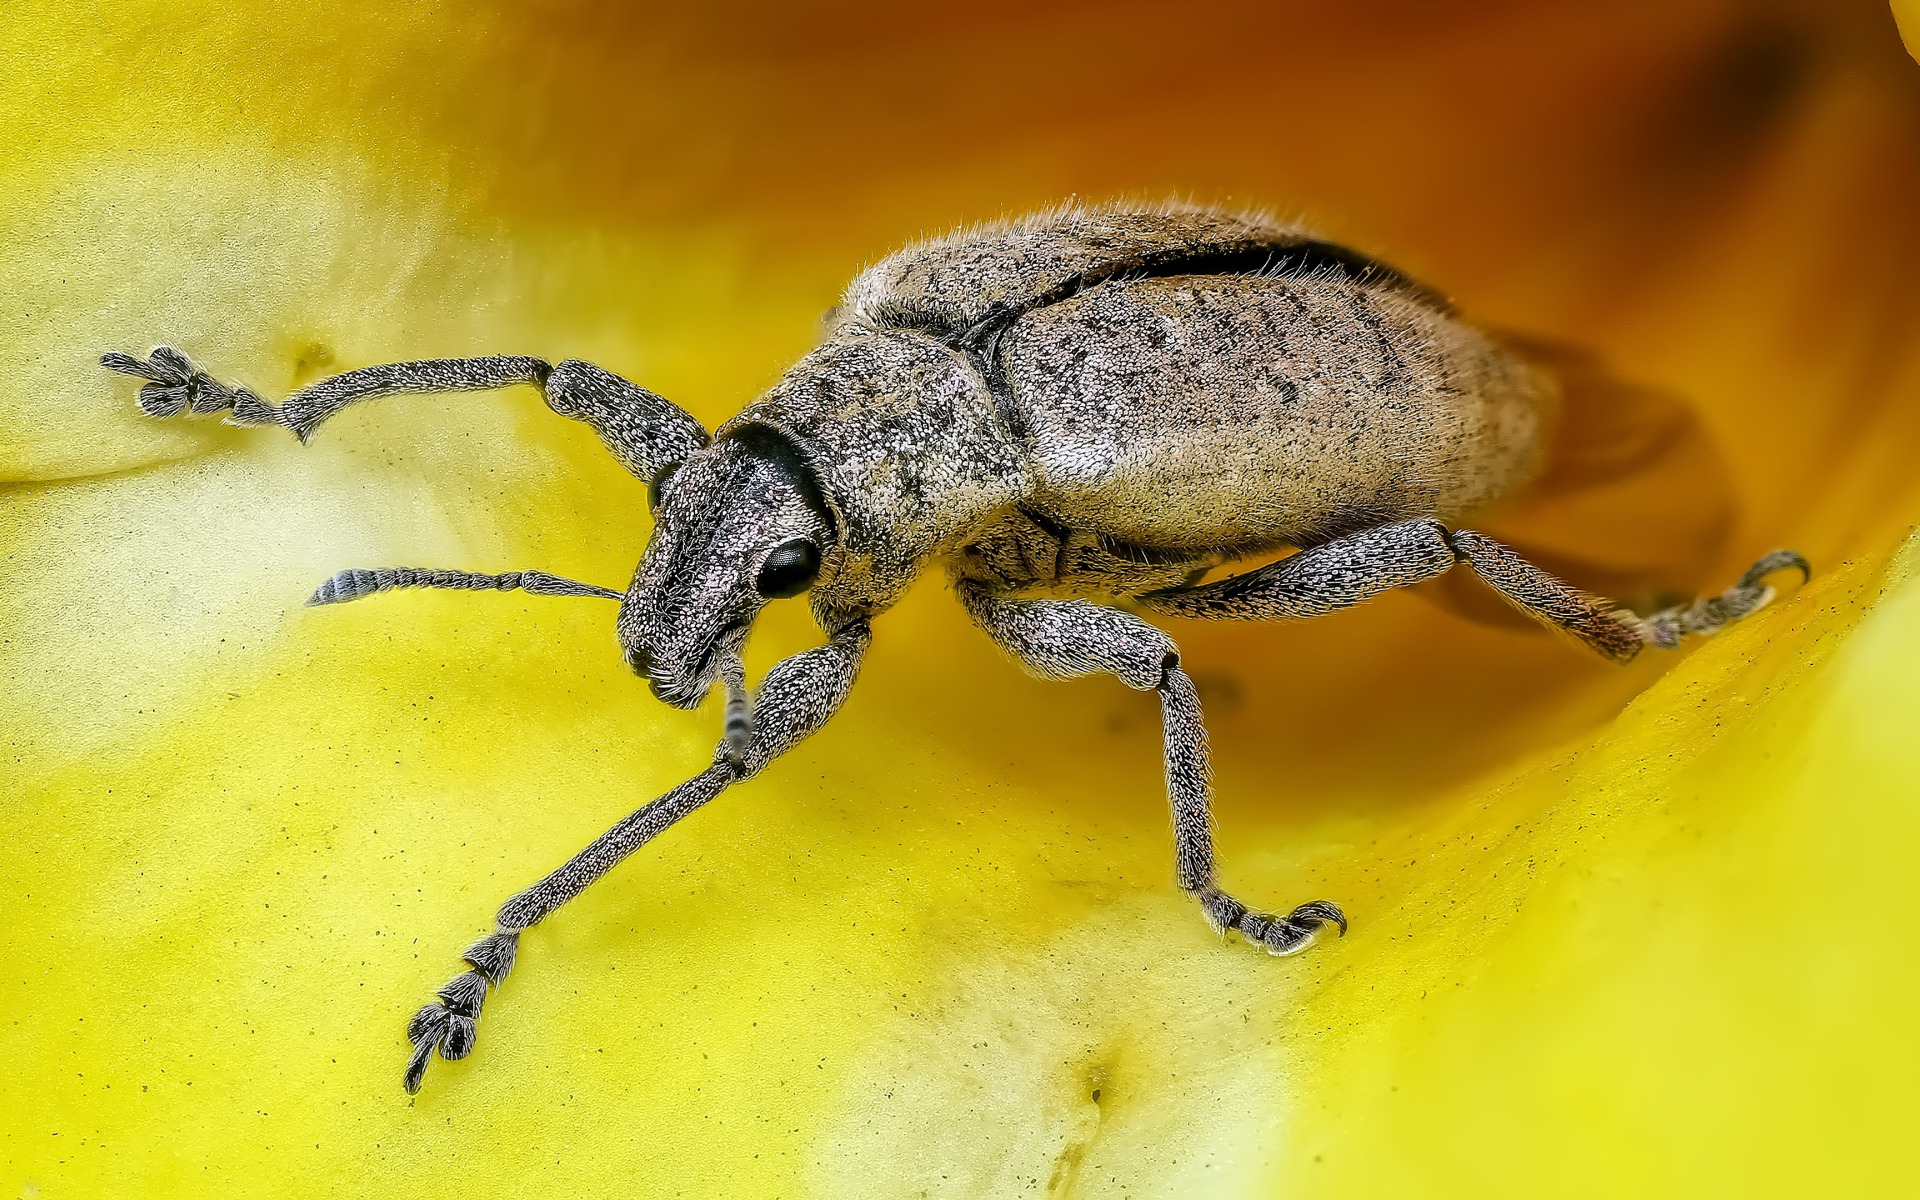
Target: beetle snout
[(643, 663), (667, 686), (641, 660)]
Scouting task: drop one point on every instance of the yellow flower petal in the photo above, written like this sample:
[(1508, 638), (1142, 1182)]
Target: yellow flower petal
[(1616, 932)]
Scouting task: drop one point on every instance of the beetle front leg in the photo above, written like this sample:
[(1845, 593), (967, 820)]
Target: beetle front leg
[(641, 429), (797, 697), (1060, 639)]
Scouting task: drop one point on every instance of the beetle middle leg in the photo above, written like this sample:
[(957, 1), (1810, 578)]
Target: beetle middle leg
[(1064, 638)]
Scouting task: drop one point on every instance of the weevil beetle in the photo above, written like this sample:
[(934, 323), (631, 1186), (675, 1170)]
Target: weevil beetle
[(1104, 402)]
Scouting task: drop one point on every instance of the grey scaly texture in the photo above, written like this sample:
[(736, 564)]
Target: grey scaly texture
[(1091, 403), (353, 584)]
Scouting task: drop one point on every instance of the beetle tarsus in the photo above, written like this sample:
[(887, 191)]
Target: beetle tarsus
[(1271, 932), (1778, 560), (450, 1025), (1296, 931), (175, 385), (1710, 614)]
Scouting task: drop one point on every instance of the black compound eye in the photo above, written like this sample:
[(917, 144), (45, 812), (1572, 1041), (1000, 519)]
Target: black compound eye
[(789, 570), (659, 481)]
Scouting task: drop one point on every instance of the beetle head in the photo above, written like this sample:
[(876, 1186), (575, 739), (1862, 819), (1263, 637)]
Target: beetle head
[(739, 523)]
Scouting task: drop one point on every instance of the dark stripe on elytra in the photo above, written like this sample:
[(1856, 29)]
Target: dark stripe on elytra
[(980, 341), (1283, 261)]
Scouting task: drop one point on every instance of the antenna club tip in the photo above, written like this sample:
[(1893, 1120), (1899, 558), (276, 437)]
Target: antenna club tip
[(332, 591)]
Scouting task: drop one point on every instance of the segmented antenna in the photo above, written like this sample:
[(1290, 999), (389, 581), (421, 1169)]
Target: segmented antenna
[(739, 727), (353, 584)]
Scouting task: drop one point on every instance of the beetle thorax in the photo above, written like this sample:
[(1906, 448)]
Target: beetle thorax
[(910, 450)]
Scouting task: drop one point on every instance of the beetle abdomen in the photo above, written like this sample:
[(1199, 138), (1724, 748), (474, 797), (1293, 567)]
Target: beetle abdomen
[(1244, 411)]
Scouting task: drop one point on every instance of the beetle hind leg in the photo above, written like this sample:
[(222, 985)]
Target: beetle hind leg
[(1341, 573), (1616, 633)]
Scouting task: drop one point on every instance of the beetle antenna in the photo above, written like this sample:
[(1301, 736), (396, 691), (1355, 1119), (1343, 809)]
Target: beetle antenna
[(353, 584), (739, 726)]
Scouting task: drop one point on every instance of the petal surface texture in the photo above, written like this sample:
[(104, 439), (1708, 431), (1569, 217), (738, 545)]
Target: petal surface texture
[(1651, 931)]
